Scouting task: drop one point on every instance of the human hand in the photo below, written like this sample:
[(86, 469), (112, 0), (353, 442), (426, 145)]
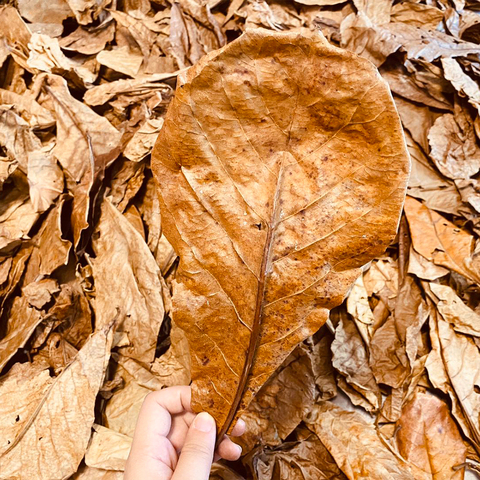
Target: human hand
[(172, 443)]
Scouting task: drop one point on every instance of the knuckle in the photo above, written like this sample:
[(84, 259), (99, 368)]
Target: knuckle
[(197, 450)]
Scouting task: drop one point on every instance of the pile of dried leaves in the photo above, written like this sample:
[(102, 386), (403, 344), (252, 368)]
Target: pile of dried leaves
[(389, 388)]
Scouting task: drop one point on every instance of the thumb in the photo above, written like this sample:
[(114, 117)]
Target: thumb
[(196, 457)]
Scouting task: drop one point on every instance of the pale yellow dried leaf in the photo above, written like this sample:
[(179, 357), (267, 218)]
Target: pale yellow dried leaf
[(44, 11), (46, 56), (51, 250), (39, 293), (143, 140), (89, 40), (100, 94), (108, 450), (121, 411), (55, 438), (31, 111), (378, 11), (135, 290), (282, 403), (439, 240), (45, 179), (464, 84), (453, 145), (453, 310), (359, 308), (173, 367), (122, 59), (350, 357), (461, 361), (425, 269), (17, 137), (21, 390), (89, 473), (17, 214), (382, 278), (417, 14), (86, 11), (355, 445)]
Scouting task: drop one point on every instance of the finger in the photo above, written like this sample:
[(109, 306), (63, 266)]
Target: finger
[(239, 428), (197, 453), (228, 450), (154, 421)]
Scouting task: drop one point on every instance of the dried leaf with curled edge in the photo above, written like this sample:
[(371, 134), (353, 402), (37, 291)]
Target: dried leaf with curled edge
[(281, 169), (51, 444)]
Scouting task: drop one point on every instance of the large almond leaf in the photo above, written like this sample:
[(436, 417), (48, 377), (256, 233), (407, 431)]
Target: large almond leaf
[(281, 169)]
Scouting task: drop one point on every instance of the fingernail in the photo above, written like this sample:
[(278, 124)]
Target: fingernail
[(239, 448), (204, 422)]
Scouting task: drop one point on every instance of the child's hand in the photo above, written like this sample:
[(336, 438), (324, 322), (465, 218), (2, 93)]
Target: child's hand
[(171, 442)]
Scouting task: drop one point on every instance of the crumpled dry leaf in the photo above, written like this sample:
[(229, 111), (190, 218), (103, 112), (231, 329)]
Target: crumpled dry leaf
[(86, 145), (417, 14), (355, 445), (362, 36), (86, 11), (173, 367), (429, 440), (464, 84), (89, 40), (439, 240), (89, 473), (453, 145), (40, 11), (282, 403), (350, 358), (21, 389), (47, 56), (303, 460), (277, 201), (222, 472), (141, 86), (45, 179), (31, 111), (17, 214), (108, 450), (121, 60), (49, 446), (453, 310), (136, 288), (452, 367), (143, 140)]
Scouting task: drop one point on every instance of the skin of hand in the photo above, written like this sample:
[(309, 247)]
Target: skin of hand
[(173, 443)]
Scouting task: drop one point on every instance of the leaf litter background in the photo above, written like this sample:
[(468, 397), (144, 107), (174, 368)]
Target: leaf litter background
[(389, 388)]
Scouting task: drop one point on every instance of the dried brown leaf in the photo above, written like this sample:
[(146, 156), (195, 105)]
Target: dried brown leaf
[(136, 288), (350, 358), (41, 11), (453, 145), (89, 40), (259, 225), (108, 450), (453, 367), (282, 403), (45, 179), (22, 389), (429, 440), (453, 310), (355, 445), (86, 11), (302, 460), (439, 240), (49, 446), (86, 145)]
